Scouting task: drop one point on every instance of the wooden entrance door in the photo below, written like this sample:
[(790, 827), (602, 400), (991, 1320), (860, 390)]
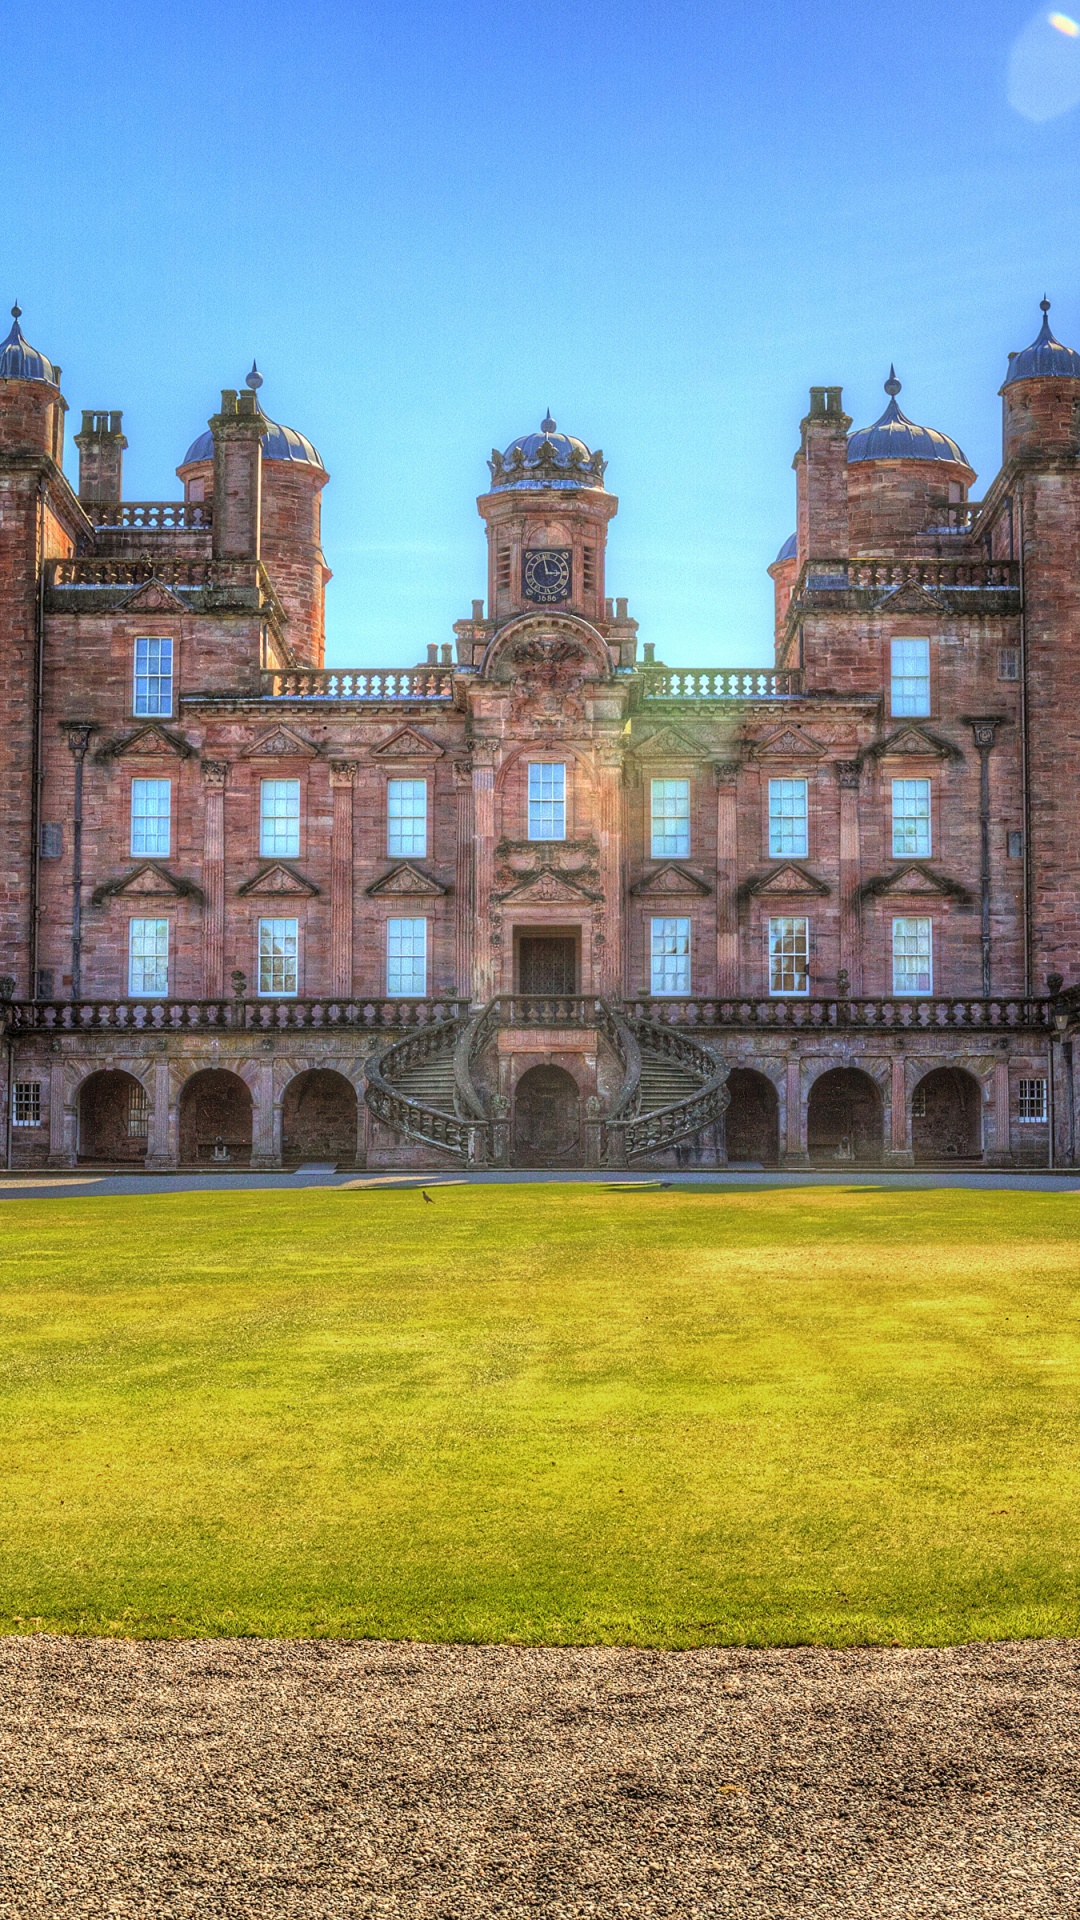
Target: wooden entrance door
[(547, 963)]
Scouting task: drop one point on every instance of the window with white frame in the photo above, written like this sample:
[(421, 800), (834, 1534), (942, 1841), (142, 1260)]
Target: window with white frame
[(547, 801), (279, 957), (670, 954), (406, 817), (1031, 1100), (789, 955), (910, 819), (912, 955), (788, 813), (279, 819), (670, 819), (153, 688), (909, 688), (26, 1104), (151, 814), (148, 956), (406, 959)]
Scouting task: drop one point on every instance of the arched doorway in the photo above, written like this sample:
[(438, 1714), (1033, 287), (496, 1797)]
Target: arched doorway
[(215, 1120), (753, 1118), (946, 1116), (114, 1117), (318, 1117), (844, 1116), (547, 1118)]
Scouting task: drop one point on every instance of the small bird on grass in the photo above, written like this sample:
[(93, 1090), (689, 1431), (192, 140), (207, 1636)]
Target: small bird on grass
[(427, 1196)]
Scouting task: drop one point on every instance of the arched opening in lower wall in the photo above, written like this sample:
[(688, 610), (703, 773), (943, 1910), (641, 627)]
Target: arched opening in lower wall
[(215, 1120), (752, 1122), (946, 1117), (547, 1118), (844, 1117), (114, 1117), (318, 1118)]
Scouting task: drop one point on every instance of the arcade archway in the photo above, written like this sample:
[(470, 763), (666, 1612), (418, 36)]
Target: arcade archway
[(946, 1116), (114, 1117), (547, 1118), (844, 1117), (752, 1121), (318, 1118), (215, 1120)]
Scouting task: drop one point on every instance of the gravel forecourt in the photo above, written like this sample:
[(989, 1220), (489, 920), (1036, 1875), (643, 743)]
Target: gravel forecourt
[(329, 1778)]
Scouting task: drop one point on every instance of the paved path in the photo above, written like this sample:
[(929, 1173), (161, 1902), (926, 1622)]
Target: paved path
[(327, 1781), (19, 1186)]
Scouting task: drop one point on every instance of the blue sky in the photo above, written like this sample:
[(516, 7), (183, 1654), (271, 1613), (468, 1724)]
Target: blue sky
[(431, 222)]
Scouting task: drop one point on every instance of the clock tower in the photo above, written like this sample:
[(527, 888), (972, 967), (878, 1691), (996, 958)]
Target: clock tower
[(547, 516)]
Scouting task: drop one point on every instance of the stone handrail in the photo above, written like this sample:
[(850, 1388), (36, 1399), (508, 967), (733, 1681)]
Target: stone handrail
[(999, 1013), (952, 576), (233, 1016), (466, 1138), (151, 516), (627, 1139), (377, 684), (721, 683)]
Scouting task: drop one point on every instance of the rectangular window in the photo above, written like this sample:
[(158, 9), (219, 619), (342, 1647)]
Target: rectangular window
[(279, 819), (789, 951), (670, 956), (1015, 843), (138, 1114), (52, 840), (788, 810), (547, 802), (910, 819), (406, 959), (910, 684), (1008, 663), (279, 947), (153, 676), (670, 818), (151, 814), (502, 570), (26, 1106), (1032, 1104), (406, 817), (912, 955), (148, 956), (588, 569)]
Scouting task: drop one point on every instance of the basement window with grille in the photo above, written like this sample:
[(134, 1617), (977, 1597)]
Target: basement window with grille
[(138, 1116), (1032, 1100), (26, 1105)]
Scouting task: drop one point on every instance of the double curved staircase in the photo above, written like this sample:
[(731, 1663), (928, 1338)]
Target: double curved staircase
[(429, 1086)]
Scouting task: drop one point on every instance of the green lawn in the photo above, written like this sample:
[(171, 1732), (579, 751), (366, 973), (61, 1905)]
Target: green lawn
[(542, 1413)]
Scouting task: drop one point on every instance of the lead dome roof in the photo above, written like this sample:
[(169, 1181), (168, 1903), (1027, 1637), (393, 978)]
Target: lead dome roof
[(546, 459), (1045, 358), (278, 443), (19, 360), (895, 437)]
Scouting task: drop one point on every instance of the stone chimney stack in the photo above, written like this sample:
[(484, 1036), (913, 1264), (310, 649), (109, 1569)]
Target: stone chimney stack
[(821, 478), (101, 445), (238, 431)]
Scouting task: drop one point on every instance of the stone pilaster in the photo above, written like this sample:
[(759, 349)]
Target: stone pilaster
[(609, 964), (215, 775), (850, 964), (342, 780), (900, 1126), (464, 879), (726, 773), (483, 799)]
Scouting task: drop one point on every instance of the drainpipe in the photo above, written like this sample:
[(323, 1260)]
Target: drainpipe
[(1025, 794), (984, 731), (78, 733)]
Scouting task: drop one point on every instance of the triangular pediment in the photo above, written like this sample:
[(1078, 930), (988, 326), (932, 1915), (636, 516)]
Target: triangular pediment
[(278, 879), (151, 743), (667, 743), (914, 742), (917, 879), (669, 879), (153, 597), (280, 743), (910, 597), (790, 743), (148, 881), (405, 882), (787, 880), (408, 744), (549, 885)]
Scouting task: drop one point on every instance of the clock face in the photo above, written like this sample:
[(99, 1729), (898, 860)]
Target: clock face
[(545, 574)]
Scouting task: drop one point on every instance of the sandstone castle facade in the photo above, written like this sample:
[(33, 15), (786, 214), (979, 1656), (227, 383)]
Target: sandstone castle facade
[(540, 899)]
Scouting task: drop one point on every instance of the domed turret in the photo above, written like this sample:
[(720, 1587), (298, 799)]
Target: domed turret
[(789, 549), (278, 443), (20, 361), (895, 437), (548, 459), (1041, 397)]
